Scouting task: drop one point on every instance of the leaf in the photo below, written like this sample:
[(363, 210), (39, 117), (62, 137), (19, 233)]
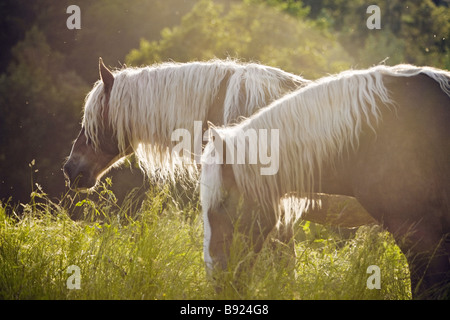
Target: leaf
[(80, 203)]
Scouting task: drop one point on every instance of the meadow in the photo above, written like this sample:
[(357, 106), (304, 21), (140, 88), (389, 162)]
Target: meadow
[(153, 249)]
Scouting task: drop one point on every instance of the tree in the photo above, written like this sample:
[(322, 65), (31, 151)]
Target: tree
[(248, 31), (40, 103), (110, 28), (412, 31)]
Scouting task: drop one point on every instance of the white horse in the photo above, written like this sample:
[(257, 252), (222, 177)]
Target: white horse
[(381, 135)]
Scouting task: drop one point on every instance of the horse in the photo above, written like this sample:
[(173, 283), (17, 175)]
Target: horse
[(139, 109), (381, 135)]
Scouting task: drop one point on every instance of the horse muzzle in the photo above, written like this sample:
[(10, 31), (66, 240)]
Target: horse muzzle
[(78, 178)]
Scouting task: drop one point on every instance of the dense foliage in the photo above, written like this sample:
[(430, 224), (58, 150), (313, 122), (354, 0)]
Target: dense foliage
[(156, 253)]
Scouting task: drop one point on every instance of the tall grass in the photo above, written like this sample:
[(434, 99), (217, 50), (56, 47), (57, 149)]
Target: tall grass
[(153, 250)]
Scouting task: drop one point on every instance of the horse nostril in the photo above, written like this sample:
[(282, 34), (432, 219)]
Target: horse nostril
[(74, 175)]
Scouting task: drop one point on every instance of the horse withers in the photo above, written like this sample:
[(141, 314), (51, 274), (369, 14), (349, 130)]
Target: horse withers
[(380, 135)]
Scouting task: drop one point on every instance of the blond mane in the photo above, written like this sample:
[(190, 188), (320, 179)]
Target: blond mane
[(147, 104)]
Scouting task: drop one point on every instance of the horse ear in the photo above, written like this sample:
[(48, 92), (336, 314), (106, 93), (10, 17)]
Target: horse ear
[(218, 141), (106, 76)]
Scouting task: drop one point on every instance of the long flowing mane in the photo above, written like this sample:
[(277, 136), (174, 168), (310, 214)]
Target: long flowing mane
[(317, 123), (147, 104)]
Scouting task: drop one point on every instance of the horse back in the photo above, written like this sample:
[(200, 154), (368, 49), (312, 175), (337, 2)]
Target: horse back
[(407, 161)]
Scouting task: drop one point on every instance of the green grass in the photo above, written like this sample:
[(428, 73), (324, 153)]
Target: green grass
[(154, 251)]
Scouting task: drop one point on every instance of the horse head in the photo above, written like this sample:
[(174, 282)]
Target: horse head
[(94, 150)]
